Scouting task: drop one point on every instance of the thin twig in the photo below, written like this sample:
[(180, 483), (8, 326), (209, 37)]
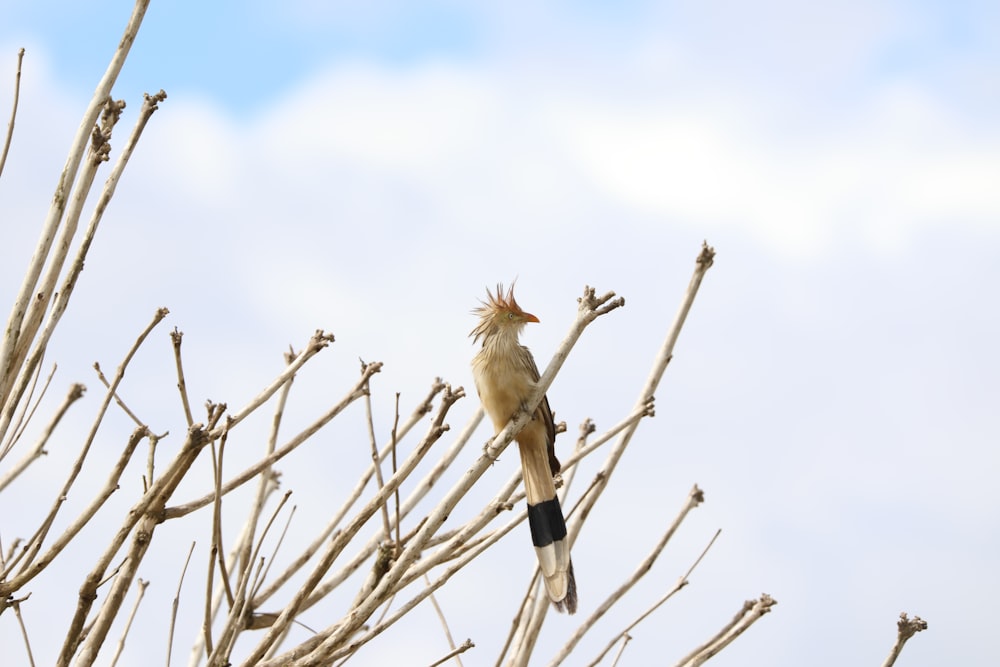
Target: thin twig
[(75, 394), (32, 566), (176, 603), (695, 497), (176, 336), (444, 625), (387, 530), (466, 645), (266, 462), (750, 612), (626, 638), (14, 332), (681, 583), (128, 623), (16, 605), (13, 110), (905, 628), (217, 515), (340, 541)]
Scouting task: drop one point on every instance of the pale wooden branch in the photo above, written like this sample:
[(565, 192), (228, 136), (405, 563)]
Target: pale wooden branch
[(140, 521), (444, 626), (75, 393), (217, 515), (60, 299), (34, 564), (13, 111), (300, 652), (26, 410), (695, 497), (626, 638), (16, 606), (319, 341), (176, 604), (176, 337), (466, 645), (376, 458), (750, 612), (30, 567), (307, 554), (142, 584), (266, 462), (341, 539), (703, 262), (681, 583), (14, 333), (239, 612), (905, 628)]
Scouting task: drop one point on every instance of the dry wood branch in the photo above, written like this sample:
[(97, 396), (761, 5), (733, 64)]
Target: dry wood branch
[(317, 343), (624, 636), (31, 567), (466, 645), (143, 517), (176, 337), (307, 648), (128, 624), (695, 497), (13, 111), (905, 628), (176, 604), (98, 154), (75, 393), (751, 611), (239, 613), (340, 541), (26, 410), (16, 606), (444, 626), (14, 333), (307, 554), (267, 461), (703, 262)]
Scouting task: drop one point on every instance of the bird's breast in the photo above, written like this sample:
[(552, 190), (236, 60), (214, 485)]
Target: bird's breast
[(502, 387)]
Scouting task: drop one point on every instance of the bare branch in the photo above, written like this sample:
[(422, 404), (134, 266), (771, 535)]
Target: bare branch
[(128, 624), (751, 611), (13, 111), (695, 498), (466, 645), (176, 603), (681, 583), (75, 394), (905, 628)]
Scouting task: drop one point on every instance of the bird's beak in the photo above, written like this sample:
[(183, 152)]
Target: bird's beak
[(528, 317)]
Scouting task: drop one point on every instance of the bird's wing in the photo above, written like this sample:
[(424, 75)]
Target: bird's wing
[(545, 413)]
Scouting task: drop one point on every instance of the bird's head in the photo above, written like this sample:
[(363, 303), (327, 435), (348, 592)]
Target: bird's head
[(500, 315)]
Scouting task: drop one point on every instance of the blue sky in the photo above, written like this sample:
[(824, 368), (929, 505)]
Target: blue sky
[(369, 167)]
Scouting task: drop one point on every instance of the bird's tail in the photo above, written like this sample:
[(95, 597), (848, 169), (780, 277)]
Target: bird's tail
[(548, 534)]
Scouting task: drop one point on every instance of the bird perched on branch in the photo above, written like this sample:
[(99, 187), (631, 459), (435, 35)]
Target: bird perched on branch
[(505, 375)]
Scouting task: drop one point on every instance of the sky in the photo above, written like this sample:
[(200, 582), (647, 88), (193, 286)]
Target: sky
[(369, 168)]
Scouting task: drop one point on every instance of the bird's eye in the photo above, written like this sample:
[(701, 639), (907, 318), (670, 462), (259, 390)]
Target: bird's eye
[(510, 316)]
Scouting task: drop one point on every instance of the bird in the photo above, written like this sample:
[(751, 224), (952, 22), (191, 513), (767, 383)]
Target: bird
[(505, 374)]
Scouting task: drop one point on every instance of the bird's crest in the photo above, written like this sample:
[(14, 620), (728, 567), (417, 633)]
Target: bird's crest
[(496, 302)]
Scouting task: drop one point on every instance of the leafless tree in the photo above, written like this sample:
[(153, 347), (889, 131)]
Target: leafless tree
[(257, 596)]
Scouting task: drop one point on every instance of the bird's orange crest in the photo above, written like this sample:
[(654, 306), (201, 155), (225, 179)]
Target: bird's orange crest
[(496, 302)]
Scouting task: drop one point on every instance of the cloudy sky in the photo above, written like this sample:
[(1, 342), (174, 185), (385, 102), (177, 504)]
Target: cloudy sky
[(369, 167)]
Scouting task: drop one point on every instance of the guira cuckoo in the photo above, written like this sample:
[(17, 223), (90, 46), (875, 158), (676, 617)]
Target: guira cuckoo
[(505, 375)]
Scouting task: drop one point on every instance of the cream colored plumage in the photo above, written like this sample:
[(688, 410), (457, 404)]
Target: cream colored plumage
[(505, 375)]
